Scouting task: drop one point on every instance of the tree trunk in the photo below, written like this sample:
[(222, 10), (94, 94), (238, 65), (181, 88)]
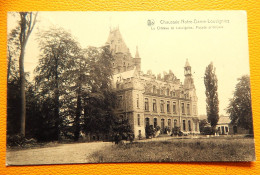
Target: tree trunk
[(21, 71), (57, 104), (77, 119), (9, 64), (23, 99)]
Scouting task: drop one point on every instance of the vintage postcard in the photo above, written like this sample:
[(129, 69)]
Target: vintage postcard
[(100, 87)]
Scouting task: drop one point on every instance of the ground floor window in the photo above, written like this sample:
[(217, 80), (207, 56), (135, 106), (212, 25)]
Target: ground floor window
[(184, 125), (162, 124), (175, 123), (189, 124), (155, 122), (138, 120), (169, 123), (147, 121)]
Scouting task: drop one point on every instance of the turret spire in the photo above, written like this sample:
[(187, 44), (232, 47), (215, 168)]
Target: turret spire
[(137, 53), (187, 63), (187, 68)]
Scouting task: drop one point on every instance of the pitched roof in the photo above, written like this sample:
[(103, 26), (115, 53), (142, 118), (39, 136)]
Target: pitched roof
[(124, 75), (223, 120)]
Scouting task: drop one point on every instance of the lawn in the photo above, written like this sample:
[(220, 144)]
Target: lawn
[(174, 150)]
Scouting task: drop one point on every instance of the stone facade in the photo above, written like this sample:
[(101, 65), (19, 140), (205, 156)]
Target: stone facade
[(149, 100)]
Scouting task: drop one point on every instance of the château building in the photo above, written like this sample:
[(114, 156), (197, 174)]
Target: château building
[(145, 99)]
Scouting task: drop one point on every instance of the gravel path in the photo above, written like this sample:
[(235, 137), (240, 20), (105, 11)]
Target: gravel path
[(61, 154)]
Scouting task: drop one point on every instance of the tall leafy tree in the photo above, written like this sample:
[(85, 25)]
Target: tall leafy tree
[(100, 103), (58, 52), (26, 24), (239, 109), (13, 85), (211, 84)]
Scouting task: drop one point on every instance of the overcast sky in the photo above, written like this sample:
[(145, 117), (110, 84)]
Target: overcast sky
[(163, 49)]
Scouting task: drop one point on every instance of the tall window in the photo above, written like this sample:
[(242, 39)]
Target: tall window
[(168, 106), (120, 102), (182, 108), (188, 109), (137, 101), (147, 121), (174, 107), (167, 92), (146, 104), (194, 109), (169, 123), (154, 89), (155, 122), (138, 120), (162, 106), (175, 123), (189, 125), (183, 125), (162, 124), (154, 105)]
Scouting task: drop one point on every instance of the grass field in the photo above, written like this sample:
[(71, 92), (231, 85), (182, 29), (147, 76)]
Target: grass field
[(210, 149)]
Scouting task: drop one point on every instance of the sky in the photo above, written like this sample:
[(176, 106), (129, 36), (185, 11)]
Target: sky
[(171, 38)]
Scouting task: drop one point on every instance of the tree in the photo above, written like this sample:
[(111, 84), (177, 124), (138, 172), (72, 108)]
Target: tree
[(100, 103), (13, 47), (211, 84), (202, 124), (239, 109), (27, 23), (13, 85), (59, 51)]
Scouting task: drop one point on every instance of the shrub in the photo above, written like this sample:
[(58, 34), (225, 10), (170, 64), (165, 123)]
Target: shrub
[(149, 131), (207, 131), (15, 140), (157, 128), (19, 140), (176, 131)]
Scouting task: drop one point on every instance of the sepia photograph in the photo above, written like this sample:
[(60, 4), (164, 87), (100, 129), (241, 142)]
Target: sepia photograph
[(110, 87)]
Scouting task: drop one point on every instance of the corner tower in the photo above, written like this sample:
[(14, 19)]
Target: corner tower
[(190, 89), (123, 60), (188, 81)]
